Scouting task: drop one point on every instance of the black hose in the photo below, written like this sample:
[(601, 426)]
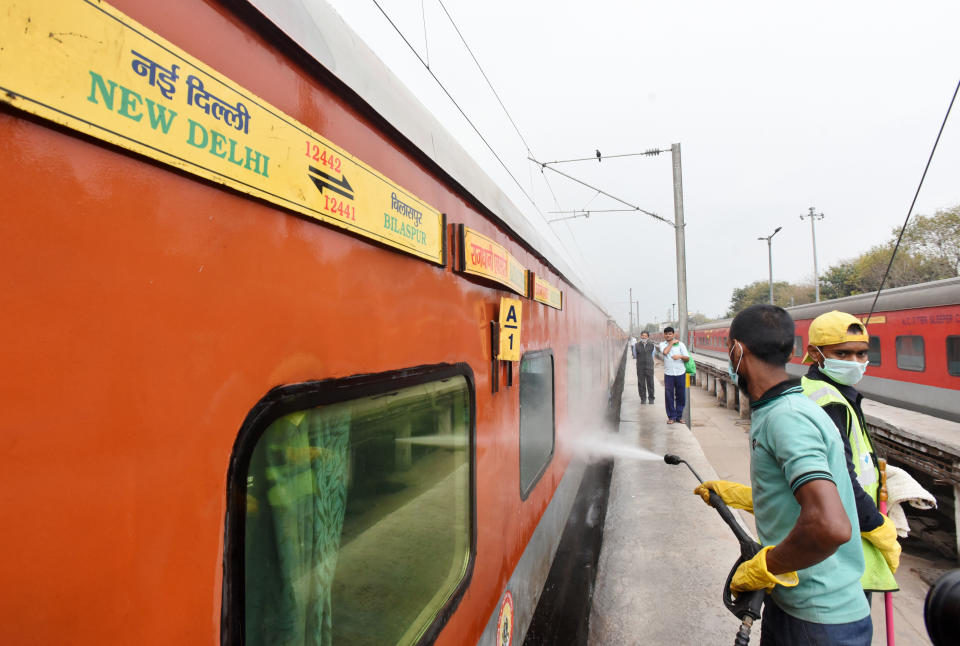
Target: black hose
[(743, 635)]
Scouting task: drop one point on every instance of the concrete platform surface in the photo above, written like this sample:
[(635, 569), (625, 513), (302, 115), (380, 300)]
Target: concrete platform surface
[(665, 554)]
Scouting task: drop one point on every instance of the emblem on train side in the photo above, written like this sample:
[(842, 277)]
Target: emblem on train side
[(505, 621)]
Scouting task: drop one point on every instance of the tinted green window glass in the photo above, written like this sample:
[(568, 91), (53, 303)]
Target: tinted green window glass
[(536, 417), (873, 352), (953, 355), (910, 353), (798, 346), (358, 520)]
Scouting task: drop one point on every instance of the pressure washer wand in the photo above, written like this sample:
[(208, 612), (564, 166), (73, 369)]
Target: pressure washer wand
[(747, 605)]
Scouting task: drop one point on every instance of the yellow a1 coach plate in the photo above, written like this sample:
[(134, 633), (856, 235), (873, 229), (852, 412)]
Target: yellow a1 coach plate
[(511, 319), (87, 66)]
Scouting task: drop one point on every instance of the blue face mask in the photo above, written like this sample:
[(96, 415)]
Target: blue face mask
[(731, 370), (848, 373)]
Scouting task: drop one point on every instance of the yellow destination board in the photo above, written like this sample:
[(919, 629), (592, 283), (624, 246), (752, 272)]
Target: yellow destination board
[(511, 318), (547, 294), (87, 66), (481, 256)]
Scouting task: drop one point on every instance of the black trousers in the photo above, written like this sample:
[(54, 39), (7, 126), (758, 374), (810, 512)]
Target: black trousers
[(645, 383)]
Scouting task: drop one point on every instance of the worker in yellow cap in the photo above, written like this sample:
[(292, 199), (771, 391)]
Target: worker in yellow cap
[(837, 350)]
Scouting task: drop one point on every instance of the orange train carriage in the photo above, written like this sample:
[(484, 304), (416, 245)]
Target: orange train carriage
[(230, 419)]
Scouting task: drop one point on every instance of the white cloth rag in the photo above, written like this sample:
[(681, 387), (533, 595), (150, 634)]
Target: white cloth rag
[(901, 488)]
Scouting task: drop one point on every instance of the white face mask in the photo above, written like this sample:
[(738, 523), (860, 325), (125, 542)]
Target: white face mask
[(731, 369), (848, 373)]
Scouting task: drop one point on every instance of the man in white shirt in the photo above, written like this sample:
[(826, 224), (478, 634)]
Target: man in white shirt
[(674, 375)]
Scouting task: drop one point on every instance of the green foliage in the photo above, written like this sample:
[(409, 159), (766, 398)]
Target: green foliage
[(838, 281), (936, 238), (784, 294), (697, 318), (930, 250)]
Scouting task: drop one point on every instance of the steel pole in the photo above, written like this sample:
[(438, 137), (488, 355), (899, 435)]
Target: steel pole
[(813, 237), (630, 302), (681, 243), (770, 261), (816, 273)]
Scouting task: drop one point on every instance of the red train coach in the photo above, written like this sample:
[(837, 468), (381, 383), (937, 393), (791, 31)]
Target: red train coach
[(254, 385), (914, 344)]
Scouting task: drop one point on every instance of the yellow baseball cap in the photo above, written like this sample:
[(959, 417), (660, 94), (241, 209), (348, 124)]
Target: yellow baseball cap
[(831, 329)]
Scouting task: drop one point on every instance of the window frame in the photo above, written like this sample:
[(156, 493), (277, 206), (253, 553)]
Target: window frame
[(946, 348), (283, 400), (923, 352), (878, 362), (524, 494)]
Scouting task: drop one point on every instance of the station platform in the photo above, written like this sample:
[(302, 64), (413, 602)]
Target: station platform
[(665, 555)]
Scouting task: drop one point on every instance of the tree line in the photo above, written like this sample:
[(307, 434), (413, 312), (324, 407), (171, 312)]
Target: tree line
[(930, 250)]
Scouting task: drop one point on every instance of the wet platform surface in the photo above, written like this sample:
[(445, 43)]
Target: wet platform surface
[(665, 554)]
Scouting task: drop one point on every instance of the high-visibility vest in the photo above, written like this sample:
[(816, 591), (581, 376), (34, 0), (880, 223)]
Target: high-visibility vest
[(876, 573)]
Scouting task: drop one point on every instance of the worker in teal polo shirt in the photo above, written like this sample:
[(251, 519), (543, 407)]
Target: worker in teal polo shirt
[(801, 496)]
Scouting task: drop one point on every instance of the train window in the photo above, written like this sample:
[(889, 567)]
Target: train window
[(798, 346), (873, 352), (356, 511), (953, 355), (536, 417), (910, 353)]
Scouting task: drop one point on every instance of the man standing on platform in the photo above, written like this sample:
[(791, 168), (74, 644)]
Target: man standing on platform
[(838, 347), (811, 559), (644, 355), (674, 375)]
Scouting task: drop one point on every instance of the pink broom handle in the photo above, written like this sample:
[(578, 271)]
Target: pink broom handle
[(887, 596)]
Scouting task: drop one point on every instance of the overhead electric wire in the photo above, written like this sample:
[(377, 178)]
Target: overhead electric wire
[(633, 207), (457, 105), (910, 210), (519, 134), (426, 40), (586, 210), (646, 153), (477, 130), (484, 74)]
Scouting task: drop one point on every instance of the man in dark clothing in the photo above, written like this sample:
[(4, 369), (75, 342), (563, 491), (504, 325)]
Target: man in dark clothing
[(644, 353)]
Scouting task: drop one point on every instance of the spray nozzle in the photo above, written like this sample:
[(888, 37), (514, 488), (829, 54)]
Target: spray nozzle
[(670, 458)]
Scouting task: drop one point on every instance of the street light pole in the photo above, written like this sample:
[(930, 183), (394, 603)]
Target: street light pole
[(770, 258), (813, 234)]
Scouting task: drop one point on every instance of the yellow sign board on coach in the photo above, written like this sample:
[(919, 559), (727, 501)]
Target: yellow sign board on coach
[(91, 68)]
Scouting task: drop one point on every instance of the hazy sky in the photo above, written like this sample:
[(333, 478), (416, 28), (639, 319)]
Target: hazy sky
[(825, 104)]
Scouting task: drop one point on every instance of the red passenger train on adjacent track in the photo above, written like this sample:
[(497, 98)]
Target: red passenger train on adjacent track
[(914, 344), (255, 297)]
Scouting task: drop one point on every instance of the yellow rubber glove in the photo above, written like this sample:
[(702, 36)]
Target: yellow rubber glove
[(884, 538), (734, 494), (753, 575)]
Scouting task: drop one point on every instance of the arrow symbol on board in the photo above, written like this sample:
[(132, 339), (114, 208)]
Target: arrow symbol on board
[(341, 186)]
